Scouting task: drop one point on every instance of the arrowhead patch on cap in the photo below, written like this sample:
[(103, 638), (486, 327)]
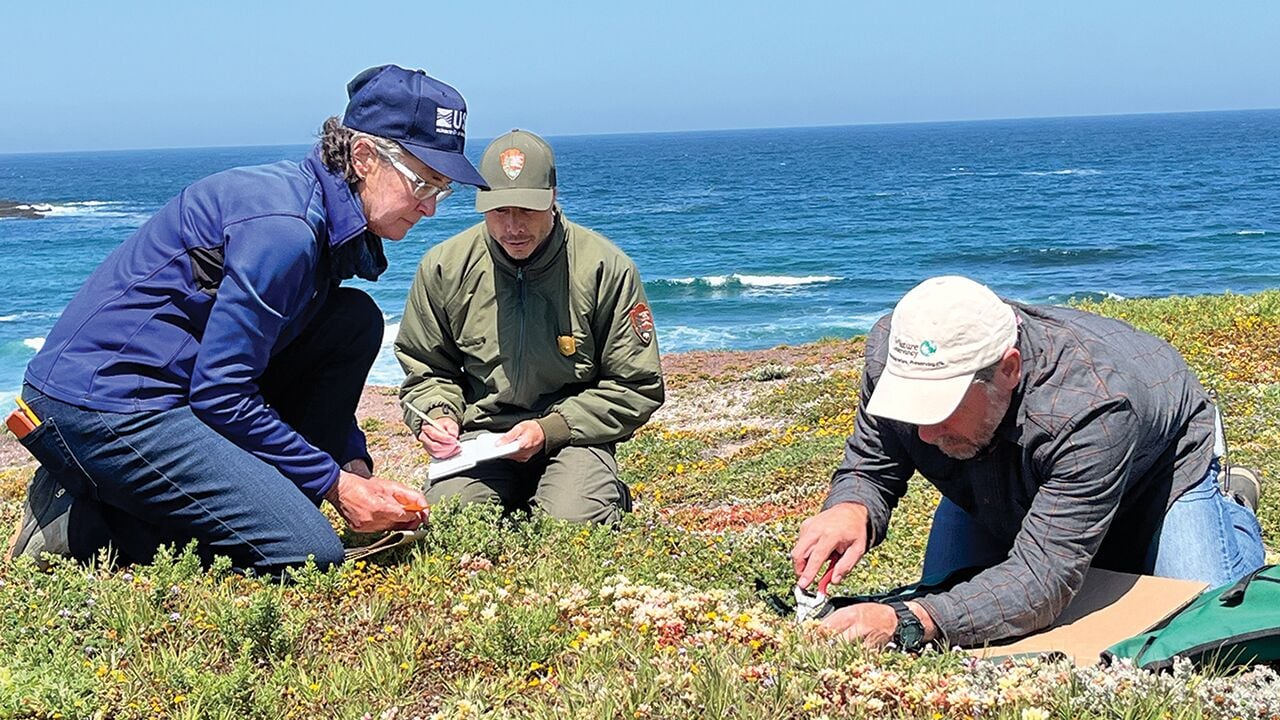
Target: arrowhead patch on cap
[(512, 161)]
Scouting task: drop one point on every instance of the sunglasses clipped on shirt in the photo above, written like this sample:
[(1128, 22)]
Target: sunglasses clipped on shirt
[(421, 189)]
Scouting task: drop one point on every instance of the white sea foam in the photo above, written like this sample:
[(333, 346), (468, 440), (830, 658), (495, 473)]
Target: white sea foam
[(755, 280), (389, 333), (1064, 171), (28, 315), (681, 338), (94, 208), (859, 323), (1090, 295), (784, 280), (386, 369), (83, 207), (34, 343), (1251, 232)]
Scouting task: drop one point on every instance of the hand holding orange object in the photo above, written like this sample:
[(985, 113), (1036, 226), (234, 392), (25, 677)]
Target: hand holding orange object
[(371, 504)]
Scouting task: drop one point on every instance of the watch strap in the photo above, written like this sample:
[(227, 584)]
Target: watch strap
[(908, 634)]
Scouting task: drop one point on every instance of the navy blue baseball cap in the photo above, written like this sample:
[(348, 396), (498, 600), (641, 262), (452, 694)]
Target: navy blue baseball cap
[(421, 113)]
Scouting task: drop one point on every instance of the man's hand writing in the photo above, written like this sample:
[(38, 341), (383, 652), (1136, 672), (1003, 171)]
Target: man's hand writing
[(440, 442)]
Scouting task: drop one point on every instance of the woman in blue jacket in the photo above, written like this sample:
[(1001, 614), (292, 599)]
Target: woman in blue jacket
[(202, 385)]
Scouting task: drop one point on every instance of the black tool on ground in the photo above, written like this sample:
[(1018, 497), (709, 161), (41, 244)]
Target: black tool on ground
[(773, 601)]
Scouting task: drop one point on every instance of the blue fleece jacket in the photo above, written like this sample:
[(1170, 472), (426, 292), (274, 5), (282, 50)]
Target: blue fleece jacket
[(190, 309)]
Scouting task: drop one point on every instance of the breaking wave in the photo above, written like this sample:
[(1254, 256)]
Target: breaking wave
[(1064, 171), (736, 280)]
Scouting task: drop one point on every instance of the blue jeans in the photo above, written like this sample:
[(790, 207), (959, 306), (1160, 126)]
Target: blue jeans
[(1205, 536), (142, 480)]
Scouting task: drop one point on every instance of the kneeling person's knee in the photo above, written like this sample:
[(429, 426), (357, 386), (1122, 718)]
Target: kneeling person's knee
[(581, 485), (583, 510)]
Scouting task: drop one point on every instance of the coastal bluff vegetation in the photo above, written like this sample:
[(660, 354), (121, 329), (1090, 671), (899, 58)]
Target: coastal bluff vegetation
[(659, 618)]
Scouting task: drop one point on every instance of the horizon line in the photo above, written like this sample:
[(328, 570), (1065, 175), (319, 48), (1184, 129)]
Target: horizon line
[(686, 131)]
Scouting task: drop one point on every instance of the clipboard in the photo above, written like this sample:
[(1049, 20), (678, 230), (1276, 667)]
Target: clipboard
[(475, 450), (393, 539)]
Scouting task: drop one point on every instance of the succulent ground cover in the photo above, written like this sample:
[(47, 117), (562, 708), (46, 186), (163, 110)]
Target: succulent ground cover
[(490, 617)]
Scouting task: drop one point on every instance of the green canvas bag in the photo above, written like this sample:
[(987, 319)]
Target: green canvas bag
[(1235, 624)]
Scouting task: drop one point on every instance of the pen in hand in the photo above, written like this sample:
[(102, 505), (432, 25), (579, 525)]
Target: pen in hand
[(428, 420), (450, 438)]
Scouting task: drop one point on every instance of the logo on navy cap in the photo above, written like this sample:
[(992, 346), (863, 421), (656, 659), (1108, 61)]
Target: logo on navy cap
[(451, 122)]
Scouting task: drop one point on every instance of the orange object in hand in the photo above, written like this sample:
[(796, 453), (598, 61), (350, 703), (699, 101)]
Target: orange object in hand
[(411, 506)]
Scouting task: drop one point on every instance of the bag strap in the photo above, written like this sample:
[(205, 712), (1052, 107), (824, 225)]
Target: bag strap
[(931, 585), (1234, 595)]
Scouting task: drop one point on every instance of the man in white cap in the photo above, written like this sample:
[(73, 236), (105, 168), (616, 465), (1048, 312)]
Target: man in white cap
[(537, 328), (1058, 439)]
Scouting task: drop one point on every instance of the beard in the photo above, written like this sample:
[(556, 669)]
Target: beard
[(960, 447)]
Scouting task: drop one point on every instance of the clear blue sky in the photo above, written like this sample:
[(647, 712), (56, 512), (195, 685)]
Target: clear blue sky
[(109, 75)]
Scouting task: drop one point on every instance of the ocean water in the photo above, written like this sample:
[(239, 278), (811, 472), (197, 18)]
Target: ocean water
[(754, 238)]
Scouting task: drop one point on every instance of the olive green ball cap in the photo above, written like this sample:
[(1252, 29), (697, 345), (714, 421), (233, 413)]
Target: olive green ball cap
[(521, 171)]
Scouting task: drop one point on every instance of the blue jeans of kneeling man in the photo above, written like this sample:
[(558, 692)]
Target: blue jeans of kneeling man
[(164, 477), (1205, 536)]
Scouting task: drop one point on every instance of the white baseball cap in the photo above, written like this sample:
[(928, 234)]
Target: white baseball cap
[(941, 334)]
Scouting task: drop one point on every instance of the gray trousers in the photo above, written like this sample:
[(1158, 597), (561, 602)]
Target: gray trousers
[(576, 483)]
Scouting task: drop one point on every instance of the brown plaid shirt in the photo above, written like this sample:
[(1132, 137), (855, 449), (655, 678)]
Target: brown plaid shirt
[(1107, 427)]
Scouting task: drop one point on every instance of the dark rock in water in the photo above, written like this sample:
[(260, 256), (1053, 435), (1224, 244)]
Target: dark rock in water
[(34, 211)]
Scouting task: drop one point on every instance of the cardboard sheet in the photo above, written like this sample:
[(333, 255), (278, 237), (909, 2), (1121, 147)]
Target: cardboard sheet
[(1109, 608)]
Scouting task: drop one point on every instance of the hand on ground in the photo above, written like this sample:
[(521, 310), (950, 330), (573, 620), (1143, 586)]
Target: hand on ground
[(873, 624), (870, 623)]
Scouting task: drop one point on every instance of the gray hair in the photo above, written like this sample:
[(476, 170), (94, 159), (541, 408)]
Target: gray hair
[(988, 373), (336, 141)]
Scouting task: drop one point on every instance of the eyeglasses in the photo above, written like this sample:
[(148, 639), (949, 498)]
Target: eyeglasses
[(421, 189)]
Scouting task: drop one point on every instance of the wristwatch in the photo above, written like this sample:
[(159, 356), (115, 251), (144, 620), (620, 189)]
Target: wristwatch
[(909, 634)]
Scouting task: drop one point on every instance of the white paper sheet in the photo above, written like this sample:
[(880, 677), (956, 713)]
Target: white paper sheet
[(474, 450)]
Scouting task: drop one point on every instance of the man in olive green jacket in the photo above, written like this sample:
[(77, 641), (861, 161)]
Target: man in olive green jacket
[(535, 327)]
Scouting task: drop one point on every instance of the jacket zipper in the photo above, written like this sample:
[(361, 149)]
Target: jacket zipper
[(520, 293)]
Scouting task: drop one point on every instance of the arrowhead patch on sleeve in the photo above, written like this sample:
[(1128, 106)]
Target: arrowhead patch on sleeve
[(642, 322)]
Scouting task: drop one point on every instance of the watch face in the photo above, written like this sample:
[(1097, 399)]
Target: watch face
[(909, 636)]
